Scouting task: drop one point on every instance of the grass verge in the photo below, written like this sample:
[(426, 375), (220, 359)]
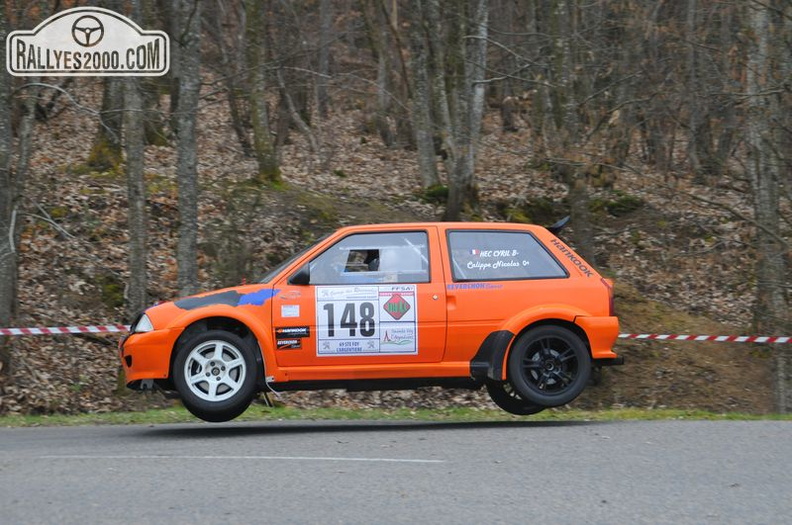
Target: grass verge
[(263, 413)]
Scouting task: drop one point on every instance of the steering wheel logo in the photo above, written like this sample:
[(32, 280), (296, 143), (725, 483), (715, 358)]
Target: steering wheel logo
[(87, 31)]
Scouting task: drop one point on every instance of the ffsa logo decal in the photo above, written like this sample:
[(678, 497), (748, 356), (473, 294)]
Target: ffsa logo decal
[(87, 41)]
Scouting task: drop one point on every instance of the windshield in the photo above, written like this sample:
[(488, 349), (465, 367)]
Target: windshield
[(278, 269)]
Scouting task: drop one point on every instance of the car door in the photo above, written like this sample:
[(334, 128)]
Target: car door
[(374, 297), (492, 276)]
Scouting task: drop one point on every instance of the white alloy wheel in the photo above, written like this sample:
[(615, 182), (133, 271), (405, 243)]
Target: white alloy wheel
[(215, 370)]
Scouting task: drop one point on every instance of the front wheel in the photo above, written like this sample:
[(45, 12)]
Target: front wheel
[(503, 394), (549, 366), (215, 375)]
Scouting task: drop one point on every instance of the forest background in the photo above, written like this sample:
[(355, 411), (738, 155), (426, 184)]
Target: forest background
[(662, 127)]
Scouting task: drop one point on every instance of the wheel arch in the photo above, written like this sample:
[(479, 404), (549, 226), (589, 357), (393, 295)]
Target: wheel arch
[(226, 324), (563, 323), (493, 354), (569, 325), (557, 371)]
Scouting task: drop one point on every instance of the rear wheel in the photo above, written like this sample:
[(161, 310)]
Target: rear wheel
[(215, 374), (503, 394), (549, 366)]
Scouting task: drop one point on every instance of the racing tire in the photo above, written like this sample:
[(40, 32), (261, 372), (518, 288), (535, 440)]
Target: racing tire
[(503, 394), (215, 375), (549, 366)]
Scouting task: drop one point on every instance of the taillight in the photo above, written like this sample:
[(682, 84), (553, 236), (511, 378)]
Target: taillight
[(611, 305)]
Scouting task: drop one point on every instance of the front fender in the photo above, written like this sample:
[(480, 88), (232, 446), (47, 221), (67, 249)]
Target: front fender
[(250, 316)]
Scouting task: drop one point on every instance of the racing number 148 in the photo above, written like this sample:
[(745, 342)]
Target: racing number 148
[(349, 321)]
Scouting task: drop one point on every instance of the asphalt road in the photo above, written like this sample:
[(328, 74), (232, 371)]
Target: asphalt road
[(674, 472)]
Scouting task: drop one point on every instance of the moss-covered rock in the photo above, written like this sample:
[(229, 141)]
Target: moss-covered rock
[(437, 194), (111, 290)]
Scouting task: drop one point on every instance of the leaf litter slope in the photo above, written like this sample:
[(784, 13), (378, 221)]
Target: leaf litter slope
[(682, 265)]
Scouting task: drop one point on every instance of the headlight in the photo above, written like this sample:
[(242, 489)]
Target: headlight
[(143, 325)]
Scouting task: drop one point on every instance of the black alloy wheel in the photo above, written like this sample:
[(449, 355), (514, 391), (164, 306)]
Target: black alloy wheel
[(503, 394), (549, 366)]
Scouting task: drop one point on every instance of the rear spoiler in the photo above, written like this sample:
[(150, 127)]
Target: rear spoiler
[(557, 227)]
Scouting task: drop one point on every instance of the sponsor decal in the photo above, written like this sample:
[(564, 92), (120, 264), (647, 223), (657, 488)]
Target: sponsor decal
[(290, 310), (288, 344), (397, 337), (473, 286), (494, 254), (396, 306), (293, 331), (87, 41), (566, 252), (346, 293), (256, 298), (501, 263), (230, 298), (366, 320), (481, 266), (291, 294)]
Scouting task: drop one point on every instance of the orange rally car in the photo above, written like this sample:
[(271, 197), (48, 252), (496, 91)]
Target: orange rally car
[(390, 306)]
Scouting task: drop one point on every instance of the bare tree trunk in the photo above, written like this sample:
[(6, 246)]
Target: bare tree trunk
[(106, 151), (441, 108), (654, 122), (700, 151), (401, 86), (225, 21), (621, 122), (286, 46), (137, 298), (12, 184), (263, 144), (151, 87), (391, 116), (173, 23), (772, 309), (153, 122), (134, 146), (569, 142), (694, 111), (468, 110), (188, 41), (377, 26), (325, 29), (294, 114), (422, 99), (8, 191)]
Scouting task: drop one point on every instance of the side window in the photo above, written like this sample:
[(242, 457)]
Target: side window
[(365, 258), (497, 256)]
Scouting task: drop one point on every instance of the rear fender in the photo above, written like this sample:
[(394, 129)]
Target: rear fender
[(490, 360)]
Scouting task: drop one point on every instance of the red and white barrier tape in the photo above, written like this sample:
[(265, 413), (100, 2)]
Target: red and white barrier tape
[(118, 328), (715, 338), (58, 330)]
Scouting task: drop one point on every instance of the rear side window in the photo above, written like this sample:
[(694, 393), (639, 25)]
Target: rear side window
[(498, 256)]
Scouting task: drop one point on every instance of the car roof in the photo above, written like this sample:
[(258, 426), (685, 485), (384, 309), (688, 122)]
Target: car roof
[(445, 226)]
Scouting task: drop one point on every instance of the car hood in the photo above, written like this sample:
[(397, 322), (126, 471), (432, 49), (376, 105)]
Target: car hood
[(246, 295)]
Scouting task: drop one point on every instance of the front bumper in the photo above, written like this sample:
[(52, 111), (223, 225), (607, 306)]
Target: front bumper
[(147, 355)]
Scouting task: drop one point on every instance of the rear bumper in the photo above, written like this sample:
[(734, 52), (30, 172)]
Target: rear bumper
[(602, 333), (617, 361)]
